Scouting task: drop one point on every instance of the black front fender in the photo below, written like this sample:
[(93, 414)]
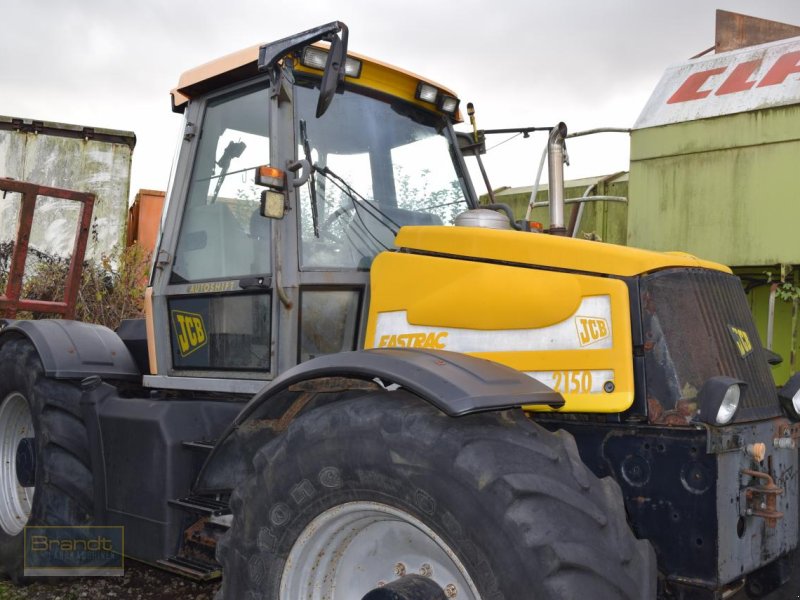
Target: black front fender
[(456, 384)]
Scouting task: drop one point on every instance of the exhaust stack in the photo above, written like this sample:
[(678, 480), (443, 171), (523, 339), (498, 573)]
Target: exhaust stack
[(556, 157)]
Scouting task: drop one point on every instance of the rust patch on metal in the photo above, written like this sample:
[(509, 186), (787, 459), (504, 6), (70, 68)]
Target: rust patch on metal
[(308, 391), (654, 409), (200, 534), (333, 384), (762, 501), (680, 415), (736, 31), (287, 417), (784, 429)]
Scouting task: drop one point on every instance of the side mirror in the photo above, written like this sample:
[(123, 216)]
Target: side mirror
[(773, 358), (270, 54), (334, 70), (468, 145)]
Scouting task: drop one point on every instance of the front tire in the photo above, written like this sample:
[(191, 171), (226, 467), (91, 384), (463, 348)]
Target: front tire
[(357, 493), (49, 480)]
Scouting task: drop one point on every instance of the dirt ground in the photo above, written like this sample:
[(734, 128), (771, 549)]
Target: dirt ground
[(146, 583), (791, 591), (140, 582)]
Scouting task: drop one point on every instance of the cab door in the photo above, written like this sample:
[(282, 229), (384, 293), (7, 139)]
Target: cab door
[(217, 290)]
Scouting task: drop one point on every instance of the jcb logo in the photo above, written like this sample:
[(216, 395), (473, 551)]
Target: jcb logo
[(742, 340), (189, 331), (591, 329)]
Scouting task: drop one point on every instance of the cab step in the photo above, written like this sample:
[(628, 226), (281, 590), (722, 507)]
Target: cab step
[(200, 445), (193, 569), (202, 505)]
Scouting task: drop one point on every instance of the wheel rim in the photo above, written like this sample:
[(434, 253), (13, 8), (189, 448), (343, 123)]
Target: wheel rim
[(353, 548), (15, 500)]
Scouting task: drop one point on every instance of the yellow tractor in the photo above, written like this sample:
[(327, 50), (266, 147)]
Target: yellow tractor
[(353, 383)]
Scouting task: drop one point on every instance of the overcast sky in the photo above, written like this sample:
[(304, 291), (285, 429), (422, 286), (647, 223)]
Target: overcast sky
[(590, 63)]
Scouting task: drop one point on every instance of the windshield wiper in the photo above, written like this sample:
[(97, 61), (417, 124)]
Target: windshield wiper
[(312, 183), (359, 202), (232, 150)]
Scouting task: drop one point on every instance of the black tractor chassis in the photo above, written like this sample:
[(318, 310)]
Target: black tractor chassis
[(685, 490), (146, 452)]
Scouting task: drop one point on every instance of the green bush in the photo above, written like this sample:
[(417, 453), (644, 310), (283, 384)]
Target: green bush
[(6, 248), (112, 288)]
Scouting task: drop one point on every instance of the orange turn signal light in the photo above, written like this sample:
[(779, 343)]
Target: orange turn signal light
[(270, 176)]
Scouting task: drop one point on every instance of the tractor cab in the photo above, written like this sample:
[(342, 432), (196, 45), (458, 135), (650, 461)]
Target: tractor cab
[(276, 214)]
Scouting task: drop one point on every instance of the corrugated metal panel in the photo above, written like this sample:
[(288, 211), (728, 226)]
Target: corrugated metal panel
[(604, 220), (688, 315)]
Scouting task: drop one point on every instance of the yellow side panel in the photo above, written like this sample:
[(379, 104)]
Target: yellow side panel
[(521, 306), (545, 250), (572, 332)]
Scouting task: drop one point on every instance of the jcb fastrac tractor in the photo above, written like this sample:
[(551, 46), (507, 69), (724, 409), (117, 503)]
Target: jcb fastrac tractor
[(352, 383)]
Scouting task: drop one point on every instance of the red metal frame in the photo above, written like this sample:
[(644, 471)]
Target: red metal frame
[(10, 301)]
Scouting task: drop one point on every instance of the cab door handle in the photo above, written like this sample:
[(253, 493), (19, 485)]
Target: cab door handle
[(255, 283)]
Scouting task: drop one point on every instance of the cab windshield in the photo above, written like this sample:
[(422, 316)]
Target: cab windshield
[(378, 166)]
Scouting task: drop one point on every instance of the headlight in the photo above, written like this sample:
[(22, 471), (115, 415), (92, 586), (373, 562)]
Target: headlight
[(719, 400), (730, 402), (448, 104), (316, 58), (427, 93)]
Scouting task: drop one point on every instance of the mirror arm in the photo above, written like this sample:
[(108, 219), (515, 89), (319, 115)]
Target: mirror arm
[(270, 54)]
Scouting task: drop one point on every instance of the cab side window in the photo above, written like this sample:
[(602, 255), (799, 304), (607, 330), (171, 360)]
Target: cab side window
[(222, 233)]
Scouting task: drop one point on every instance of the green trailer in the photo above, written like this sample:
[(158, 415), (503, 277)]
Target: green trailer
[(714, 172)]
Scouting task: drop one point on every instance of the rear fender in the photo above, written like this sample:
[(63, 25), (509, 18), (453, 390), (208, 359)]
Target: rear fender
[(75, 350)]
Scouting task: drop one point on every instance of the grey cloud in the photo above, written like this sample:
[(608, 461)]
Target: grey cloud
[(111, 63)]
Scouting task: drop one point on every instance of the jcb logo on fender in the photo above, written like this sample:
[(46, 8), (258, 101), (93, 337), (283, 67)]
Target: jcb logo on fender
[(591, 329), (742, 341), (189, 331)]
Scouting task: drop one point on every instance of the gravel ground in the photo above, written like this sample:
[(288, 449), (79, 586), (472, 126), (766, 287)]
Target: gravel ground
[(146, 583), (140, 582)]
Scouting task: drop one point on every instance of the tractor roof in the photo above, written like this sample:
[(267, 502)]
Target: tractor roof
[(243, 64)]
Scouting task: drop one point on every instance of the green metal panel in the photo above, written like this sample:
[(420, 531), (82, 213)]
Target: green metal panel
[(784, 334), (725, 189), (602, 220)]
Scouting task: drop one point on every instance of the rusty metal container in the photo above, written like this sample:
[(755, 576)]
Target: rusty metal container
[(85, 159)]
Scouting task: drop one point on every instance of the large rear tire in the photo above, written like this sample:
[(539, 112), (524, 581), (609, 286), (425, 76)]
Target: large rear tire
[(39, 418), (356, 493)]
